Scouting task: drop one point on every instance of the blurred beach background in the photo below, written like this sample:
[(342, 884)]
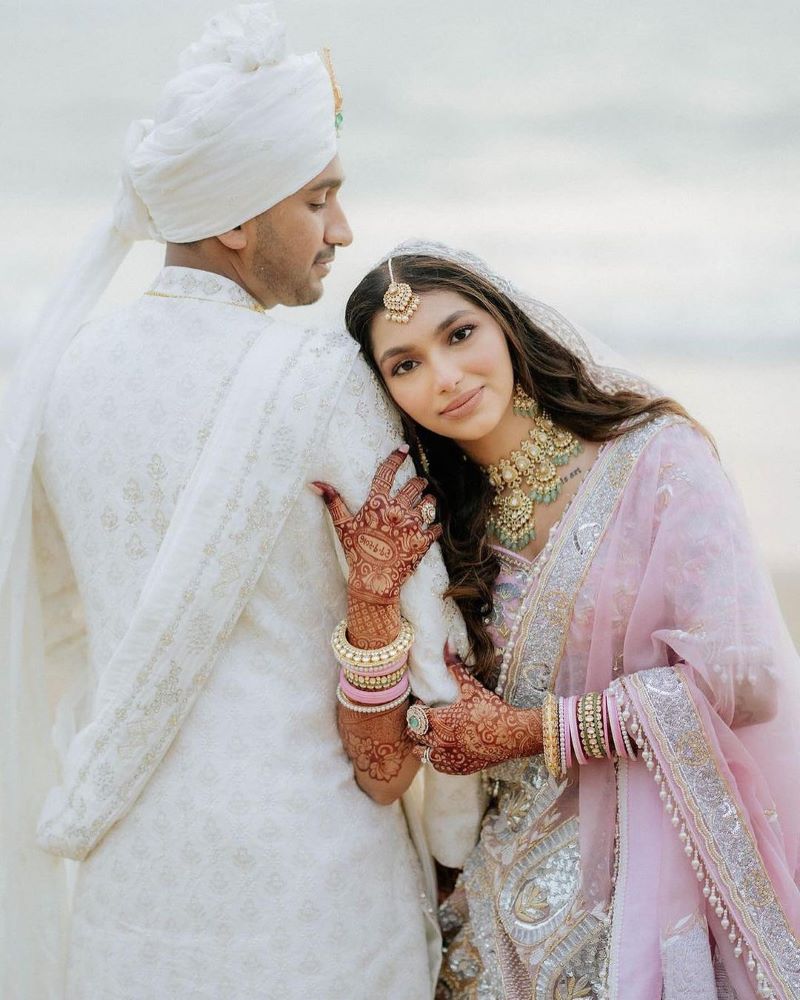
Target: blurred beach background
[(635, 165)]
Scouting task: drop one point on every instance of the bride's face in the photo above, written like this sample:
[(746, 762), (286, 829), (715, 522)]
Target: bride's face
[(448, 368)]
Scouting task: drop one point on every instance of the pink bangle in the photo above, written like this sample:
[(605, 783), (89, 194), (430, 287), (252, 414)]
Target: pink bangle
[(566, 742), (580, 757), (373, 697), (606, 733), (613, 713)]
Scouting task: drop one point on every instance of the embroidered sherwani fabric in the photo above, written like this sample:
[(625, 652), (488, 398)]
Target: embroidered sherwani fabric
[(649, 582), (249, 865)]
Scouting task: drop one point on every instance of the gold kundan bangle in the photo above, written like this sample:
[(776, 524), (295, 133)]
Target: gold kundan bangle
[(581, 713), (370, 683), (595, 726), (587, 732), (550, 738), (588, 722), (600, 736), (363, 659)]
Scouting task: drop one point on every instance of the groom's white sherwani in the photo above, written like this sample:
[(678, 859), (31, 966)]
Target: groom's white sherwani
[(227, 851)]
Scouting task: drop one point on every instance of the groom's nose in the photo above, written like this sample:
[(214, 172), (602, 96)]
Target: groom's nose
[(338, 232)]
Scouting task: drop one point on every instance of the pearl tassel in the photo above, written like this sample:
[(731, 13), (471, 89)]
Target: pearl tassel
[(710, 890)]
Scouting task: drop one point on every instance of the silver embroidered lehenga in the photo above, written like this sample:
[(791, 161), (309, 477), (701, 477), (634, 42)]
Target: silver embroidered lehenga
[(672, 875)]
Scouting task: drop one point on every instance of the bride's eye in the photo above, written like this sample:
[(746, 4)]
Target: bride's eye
[(404, 367), (461, 334)]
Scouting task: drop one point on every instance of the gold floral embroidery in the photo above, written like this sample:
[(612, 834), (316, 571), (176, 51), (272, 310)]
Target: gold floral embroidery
[(571, 988), (531, 904)]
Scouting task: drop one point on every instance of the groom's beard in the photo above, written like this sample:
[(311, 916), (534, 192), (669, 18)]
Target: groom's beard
[(286, 274)]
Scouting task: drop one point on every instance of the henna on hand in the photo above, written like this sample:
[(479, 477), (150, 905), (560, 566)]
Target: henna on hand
[(378, 745), (370, 626), (385, 540), (478, 730)]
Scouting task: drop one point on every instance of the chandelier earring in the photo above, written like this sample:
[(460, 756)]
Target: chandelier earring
[(523, 404)]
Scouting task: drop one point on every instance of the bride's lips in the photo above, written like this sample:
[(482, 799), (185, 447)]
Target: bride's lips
[(464, 404)]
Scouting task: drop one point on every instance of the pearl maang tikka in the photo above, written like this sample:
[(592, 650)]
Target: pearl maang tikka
[(401, 303)]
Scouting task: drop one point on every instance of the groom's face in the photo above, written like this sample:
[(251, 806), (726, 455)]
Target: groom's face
[(291, 247)]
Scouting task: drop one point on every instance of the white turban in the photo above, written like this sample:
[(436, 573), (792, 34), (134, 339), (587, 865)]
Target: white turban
[(242, 126)]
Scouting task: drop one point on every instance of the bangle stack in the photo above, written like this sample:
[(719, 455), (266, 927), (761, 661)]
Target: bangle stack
[(583, 728), (372, 680)]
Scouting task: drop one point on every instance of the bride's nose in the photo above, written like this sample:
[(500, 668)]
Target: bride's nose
[(447, 378)]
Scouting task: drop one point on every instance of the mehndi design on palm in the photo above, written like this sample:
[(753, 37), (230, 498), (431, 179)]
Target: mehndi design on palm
[(385, 540)]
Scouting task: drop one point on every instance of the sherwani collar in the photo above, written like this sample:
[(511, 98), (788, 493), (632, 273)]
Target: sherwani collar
[(204, 286)]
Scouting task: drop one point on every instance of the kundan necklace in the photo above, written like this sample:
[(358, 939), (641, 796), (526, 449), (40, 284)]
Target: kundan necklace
[(529, 475)]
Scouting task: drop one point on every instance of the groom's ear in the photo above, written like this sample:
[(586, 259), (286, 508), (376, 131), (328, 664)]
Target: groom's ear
[(233, 239)]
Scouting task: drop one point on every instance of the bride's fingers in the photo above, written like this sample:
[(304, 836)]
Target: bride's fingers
[(434, 533), (412, 491), (426, 756), (384, 478), (422, 739), (337, 508)]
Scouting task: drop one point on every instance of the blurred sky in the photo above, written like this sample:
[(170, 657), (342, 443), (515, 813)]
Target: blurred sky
[(638, 165)]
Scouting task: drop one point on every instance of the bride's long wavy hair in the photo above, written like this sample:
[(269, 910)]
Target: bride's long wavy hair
[(547, 370)]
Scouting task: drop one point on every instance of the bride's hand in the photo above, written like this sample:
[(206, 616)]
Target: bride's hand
[(476, 731), (386, 539)]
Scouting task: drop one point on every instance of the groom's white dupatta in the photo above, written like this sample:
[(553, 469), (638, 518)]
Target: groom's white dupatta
[(228, 518)]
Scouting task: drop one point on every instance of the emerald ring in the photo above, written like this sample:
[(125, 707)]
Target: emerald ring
[(417, 720)]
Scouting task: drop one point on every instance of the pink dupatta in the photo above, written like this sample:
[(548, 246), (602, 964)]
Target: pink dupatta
[(653, 587)]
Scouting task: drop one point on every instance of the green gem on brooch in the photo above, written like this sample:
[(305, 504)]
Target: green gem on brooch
[(338, 121)]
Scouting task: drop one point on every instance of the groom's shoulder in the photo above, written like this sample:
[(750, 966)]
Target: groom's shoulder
[(330, 351), (322, 344)]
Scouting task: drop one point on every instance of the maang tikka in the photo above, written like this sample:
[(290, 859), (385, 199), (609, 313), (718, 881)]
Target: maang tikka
[(401, 303)]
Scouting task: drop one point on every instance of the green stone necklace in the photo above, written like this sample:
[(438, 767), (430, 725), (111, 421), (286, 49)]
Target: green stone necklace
[(529, 475)]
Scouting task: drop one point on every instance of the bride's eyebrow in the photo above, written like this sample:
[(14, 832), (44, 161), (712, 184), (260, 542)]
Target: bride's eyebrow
[(392, 352)]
